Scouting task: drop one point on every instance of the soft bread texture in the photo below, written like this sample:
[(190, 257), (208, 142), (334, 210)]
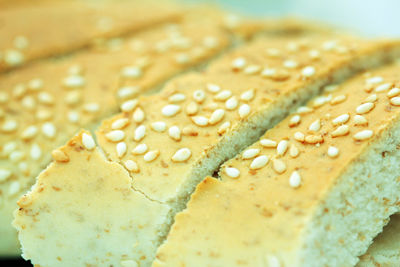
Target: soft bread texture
[(197, 136), (314, 191), (44, 104), (385, 251), (33, 30)]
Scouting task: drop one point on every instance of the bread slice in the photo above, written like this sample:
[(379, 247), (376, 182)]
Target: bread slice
[(44, 104), (171, 141), (46, 28), (314, 191)]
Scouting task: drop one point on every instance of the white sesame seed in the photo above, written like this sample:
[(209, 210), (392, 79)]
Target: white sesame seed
[(35, 84), (175, 133), (315, 126), (360, 120), (231, 103), (29, 132), (341, 119), (175, 98), (28, 102), (268, 72), (138, 115), (199, 96), (383, 87), (9, 147), (273, 261), (363, 135), (250, 153), (131, 72), (282, 147), (182, 58), (321, 100), (341, 131), (23, 166), (290, 64), (268, 143), (247, 95), (252, 69), (151, 155), (294, 120), (374, 80), (273, 52), (21, 42), (371, 98), (365, 108), (16, 156), (279, 166), (115, 136), (35, 152), (74, 81), (45, 98), (232, 172), (216, 116), (13, 57), (4, 97), (129, 105), (75, 69), (292, 46), (295, 179), (127, 91), (223, 95), (73, 98), (91, 107), (181, 155), (338, 99), (210, 41), (170, 110), (200, 120), (395, 101), (73, 116), (140, 132), (293, 151), (119, 123), (238, 63), (224, 127), (9, 126), (314, 54), (87, 141), (299, 136), (213, 88), (308, 71), (333, 152), (244, 111), (14, 188), (49, 130), (192, 108), (304, 110), (4, 174), (393, 92), (259, 162), (159, 126), (131, 166), (121, 149)]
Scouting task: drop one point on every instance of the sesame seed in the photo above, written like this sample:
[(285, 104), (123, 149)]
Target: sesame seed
[(9, 147), (13, 57), (273, 261), (282, 147), (4, 174), (49, 130), (223, 95), (360, 120), (35, 84), (224, 127), (216, 116), (290, 64), (250, 153), (371, 98), (23, 166), (182, 58), (75, 69), (321, 100), (29, 102), (73, 116), (333, 152), (299, 136), (140, 149), (170, 110), (252, 69), (374, 80), (338, 99), (121, 149), (363, 135), (91, 107), (395, 101), (315, 126), (314, 54), (231, 103), (279, 166), (151, 155), (383, 87), (273, 52), (175, 133), (210, 41), (393, 92), (213, 88), (115, 136), (341, 119), (4, 97), (232, 172), (59, 156), (295, 179), (35, 152), (181, 155), (87, 141), (175, 98), (129, 105), (293, 151), (131, 166), (329, 45), (192, 108), (244, 111), (74, 81), (292, 46), (247, 95), (21, 42), (294, 120), (127, 91), (129, 263), (138, 115), (9, 126), (268, 143), (365, 108), (14, 188), (119, 123), (314, 139), (199, 96), (73, 98), (238, 63), (304, 110), (131, 72), (16, 156), (200, 120), (308, 71), (140, 132), (45, 98), (43, 114), (159, 126), (259, 162), (29, 132), (268, 72), (340, 131)]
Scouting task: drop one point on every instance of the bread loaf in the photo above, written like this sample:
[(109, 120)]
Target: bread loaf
[(169, 142)]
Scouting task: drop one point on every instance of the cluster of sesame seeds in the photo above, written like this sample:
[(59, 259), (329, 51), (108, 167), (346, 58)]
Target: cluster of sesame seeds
[(15, 56)]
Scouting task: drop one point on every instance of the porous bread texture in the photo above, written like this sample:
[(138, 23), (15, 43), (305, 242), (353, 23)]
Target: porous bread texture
[(385, 249)]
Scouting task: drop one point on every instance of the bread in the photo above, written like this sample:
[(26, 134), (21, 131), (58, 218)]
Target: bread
[(204, 126), (313, 191), (36, 30), (50, 100)]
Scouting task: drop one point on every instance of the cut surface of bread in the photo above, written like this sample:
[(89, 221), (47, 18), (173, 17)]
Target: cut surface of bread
[(169, 142), (314, 191)]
